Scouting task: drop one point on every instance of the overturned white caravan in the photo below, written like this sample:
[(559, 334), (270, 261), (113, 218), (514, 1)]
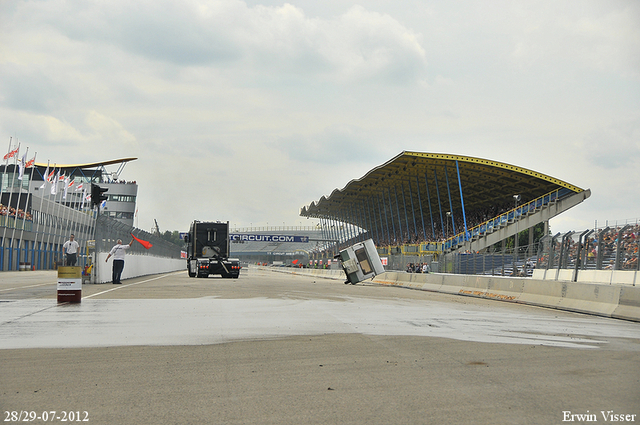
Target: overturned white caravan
[(360, 262)]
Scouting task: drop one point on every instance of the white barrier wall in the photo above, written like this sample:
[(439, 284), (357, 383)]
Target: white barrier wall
[(620, 301), (624, 277), (138, 265)]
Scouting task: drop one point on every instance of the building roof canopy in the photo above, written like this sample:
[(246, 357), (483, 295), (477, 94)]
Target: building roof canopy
[(432, 179), (89, 165)]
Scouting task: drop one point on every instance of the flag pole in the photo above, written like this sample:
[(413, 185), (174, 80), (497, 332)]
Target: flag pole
[(58, 236), (4, 172), (6, 164), (67, 211), (24, 219), (15, 222), (51, 192), (41, 215), (13, 179)]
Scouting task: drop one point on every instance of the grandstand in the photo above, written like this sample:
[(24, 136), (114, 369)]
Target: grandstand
[(433, 204)]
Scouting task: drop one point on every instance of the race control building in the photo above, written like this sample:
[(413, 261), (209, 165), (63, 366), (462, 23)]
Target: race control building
[(42, 206)]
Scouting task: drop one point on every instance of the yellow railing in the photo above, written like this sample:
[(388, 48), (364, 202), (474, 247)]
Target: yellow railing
[(479, 230)]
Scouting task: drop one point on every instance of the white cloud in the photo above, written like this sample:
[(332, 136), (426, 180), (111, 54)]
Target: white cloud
[(271, 105), (601, 37), (356, 44)]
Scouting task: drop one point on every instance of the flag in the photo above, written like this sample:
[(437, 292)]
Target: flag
[(103, 204), (11, 154), (31, 162), (46, 172), (21, 165), (66, 186), (85, 198), (143, 243), (50, 176), (79, 187), (54, 185)]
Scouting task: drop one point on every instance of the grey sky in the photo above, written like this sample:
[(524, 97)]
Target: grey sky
[(247, 111)]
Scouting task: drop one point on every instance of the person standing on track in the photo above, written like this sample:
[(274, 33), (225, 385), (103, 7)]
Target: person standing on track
[(70, 249), (118, 252)]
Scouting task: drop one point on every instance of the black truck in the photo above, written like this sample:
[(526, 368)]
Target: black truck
[(208, 250)]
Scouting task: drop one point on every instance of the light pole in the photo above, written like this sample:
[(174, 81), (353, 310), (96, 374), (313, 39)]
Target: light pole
[(448, 218), (516, 198)]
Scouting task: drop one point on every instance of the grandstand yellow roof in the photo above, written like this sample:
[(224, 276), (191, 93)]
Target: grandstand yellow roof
[(484, 183)]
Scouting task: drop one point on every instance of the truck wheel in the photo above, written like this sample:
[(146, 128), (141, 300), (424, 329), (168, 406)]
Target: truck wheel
[(191, 274)]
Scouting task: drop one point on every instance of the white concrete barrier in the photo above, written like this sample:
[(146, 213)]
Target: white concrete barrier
[(138, 265), (618, 300), (628, 304), (590, 298), (589, 276)]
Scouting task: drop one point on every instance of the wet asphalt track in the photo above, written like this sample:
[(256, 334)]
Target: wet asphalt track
[(276, 348)]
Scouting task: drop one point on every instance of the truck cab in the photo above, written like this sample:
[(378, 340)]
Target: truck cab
[(208, 250)]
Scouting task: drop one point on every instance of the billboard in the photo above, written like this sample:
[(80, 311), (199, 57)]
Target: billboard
[(244, 237)]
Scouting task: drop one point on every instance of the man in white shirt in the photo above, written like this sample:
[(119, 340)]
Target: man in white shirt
[(70, 249), (118, 252), (426, 268)]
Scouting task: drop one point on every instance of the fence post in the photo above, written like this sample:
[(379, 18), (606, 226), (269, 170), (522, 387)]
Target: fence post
[(600, 251), (616, 264)]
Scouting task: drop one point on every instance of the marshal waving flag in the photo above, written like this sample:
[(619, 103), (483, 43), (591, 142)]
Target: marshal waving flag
[(143, 243)]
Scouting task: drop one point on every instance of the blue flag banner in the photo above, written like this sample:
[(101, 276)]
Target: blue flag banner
[(243, 237)]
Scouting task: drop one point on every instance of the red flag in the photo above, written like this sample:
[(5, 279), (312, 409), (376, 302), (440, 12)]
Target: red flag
[(11, 154), (295, 261), (143, 243)]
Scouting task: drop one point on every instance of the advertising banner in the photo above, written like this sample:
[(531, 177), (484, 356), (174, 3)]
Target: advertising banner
[(242, 237)]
